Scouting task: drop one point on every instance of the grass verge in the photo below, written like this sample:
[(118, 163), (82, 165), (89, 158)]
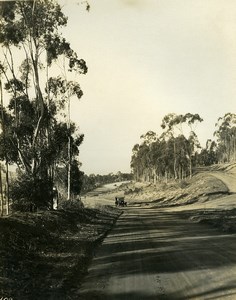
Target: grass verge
[(45, 255)]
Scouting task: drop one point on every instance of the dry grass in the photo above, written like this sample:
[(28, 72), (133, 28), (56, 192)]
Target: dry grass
[(199, 188), (45, 255)]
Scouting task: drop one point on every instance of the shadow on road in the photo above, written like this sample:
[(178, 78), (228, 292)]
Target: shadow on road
[(161, 255)]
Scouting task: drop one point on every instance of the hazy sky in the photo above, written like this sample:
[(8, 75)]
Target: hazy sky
[(148, 58)]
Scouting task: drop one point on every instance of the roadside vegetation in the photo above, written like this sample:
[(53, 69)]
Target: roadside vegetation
[(45, 255), (176, 153), (92, 181), (200, 189)]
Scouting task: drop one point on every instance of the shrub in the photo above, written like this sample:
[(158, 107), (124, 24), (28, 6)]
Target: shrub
[(29, 194), (71, 205), (183, 184)]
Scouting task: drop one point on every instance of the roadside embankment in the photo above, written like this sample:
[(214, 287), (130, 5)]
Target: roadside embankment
[(45, 255), (201, 188), (206, 198)]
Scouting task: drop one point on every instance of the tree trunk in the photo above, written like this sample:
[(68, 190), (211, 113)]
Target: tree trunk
[(175, 162), (1, 191), (154, 176), (5, 154), (69, 156), (7, 188), (69, 170), (190, 168)]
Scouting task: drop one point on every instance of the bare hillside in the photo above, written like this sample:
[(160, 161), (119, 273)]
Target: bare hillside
[(208, 197)]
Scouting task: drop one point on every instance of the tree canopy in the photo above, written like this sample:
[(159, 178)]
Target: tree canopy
[(170, 155), (36, 120), (175, 153)]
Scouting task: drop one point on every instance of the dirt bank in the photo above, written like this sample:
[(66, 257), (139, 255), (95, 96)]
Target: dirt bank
[(203, 187), (45, 255), (208, 197)]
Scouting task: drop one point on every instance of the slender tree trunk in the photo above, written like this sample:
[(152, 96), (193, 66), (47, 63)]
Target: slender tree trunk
[(180, 173), (69, 170), (7, 189), (175, 162), (6, 158), (40, 101), (1, 191), (154, 176), (69, 156), (190, 168)]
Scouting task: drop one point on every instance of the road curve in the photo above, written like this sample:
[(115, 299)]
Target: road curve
[(228, 179), (157, 254)]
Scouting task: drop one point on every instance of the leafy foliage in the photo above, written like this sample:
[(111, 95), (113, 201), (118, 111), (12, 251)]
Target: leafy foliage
[(28, 193), (92, 181), (171, 155), (34, 138), (226, 137)]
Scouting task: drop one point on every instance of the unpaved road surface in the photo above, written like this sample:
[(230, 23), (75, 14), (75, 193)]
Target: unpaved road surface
[(158, 254), (228, 179)]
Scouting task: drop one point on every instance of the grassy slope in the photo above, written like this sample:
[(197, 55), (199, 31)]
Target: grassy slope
[(199, 188), (45, 255), (204, 198)]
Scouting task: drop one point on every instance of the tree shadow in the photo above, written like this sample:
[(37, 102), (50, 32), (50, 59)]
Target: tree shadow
[(150, 244)]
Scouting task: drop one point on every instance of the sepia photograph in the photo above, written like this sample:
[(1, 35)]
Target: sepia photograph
[(117, 149)]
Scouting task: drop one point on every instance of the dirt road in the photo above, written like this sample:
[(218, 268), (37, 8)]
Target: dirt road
[(228, 179), (158, 254)]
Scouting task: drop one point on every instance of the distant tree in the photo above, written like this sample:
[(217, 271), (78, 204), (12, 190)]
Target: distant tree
[(92, 181), (134, 164), (226, 137), (171, 155), (172, 122), (208, 155)]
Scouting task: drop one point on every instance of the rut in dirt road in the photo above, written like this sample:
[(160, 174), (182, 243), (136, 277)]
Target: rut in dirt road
[(154, 254)]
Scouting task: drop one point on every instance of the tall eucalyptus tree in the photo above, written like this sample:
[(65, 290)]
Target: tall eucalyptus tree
[(175, 126), (226, 137), (31, 32)]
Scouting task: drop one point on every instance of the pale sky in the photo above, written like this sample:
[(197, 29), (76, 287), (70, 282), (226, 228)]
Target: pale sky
[(148, 58)]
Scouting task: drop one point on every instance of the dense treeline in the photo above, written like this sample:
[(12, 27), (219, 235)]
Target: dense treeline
[(169, 156), (223, 148), (226, 138), (90, 182), (175, 153)]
